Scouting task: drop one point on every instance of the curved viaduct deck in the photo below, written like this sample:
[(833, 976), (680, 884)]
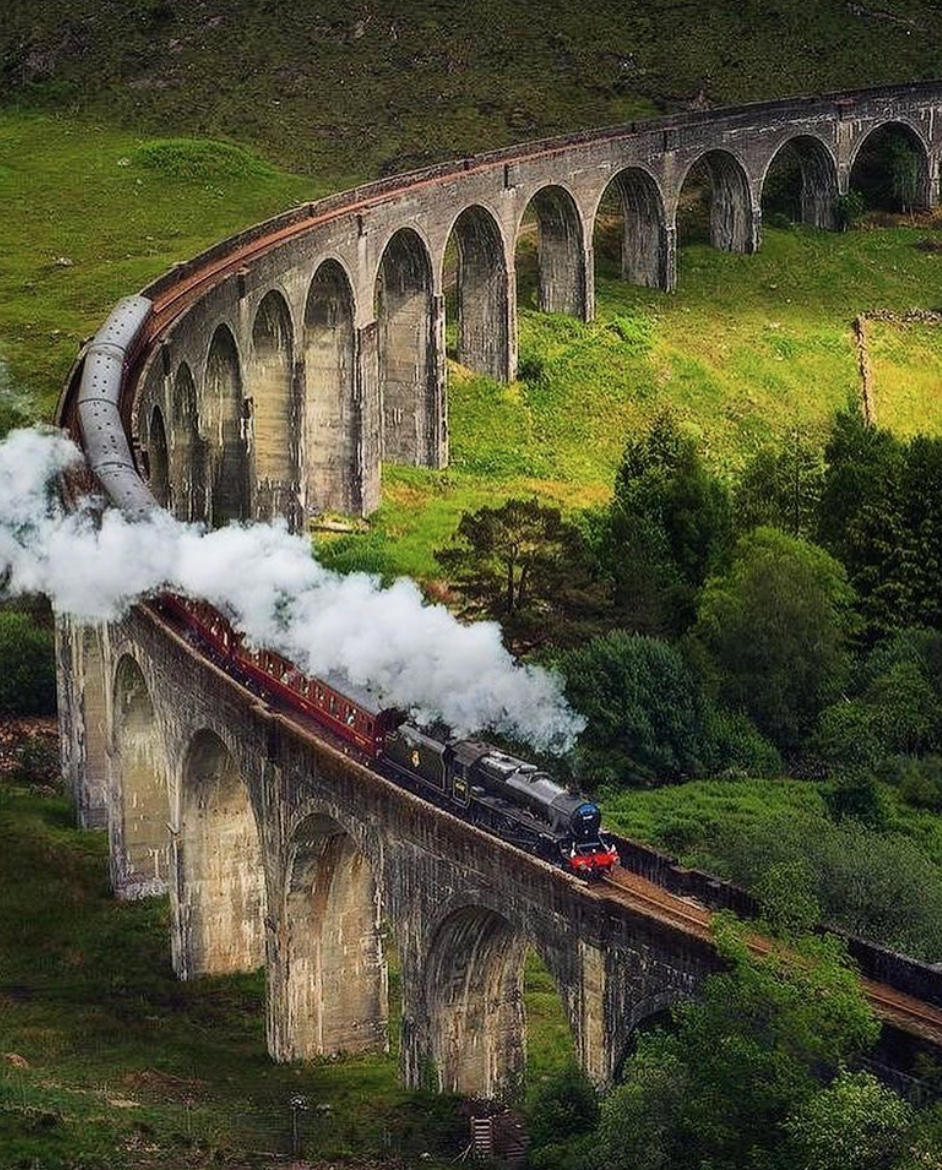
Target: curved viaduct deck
[(276, 371)]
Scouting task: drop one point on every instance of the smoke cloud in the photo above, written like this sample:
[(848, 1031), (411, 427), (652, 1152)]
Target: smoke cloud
[(415, 656)]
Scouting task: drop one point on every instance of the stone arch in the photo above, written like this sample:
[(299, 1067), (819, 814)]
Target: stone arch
[(187, 450), (226, 414), (140, 829), (275, 412), (333, 985), (483, 304), (732, 222), (905, 188), (633, 200), (218, 897), (561, 284), (410, 387), (159, 458), (654, 1011), (332, 419), (815, 170), (474, 999)]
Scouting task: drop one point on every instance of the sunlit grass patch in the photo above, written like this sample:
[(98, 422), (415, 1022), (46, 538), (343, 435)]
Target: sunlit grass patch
[(906, 366)]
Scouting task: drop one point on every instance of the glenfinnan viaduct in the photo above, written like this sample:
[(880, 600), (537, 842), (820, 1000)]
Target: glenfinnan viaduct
[(270, 377)]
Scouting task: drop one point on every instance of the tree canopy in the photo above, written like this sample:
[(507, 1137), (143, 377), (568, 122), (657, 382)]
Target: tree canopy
[(775, 633)]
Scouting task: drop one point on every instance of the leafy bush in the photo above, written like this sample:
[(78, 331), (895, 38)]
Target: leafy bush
[(774, 630), (732, 746), (854, 1123), (919, 780), (197, 159), (879, 885), (857, 795), (847, 736), (848, 209), (643, 706), (559, 1108), (27, 667)]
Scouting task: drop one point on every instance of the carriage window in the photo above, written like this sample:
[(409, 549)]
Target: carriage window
[(351, 716), (333, 705)]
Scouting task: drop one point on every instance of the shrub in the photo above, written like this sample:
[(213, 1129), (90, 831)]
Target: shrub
[(848, 209), (879, 885), (27, 667), (920, 781), (643, 706), (561, 1107), (733, 747), (857, 794), (195, 159)]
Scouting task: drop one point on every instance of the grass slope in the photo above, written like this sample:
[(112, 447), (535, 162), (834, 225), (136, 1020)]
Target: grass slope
[(89, 215), (338, 89), (748, 348)]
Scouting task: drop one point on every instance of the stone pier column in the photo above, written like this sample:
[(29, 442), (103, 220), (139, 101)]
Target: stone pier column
[(327, 982), (370, 417), (667, 258)]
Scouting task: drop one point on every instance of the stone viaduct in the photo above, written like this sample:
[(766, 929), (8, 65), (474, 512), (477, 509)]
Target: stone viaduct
[(278, 850), (276, 373), (313, 347)]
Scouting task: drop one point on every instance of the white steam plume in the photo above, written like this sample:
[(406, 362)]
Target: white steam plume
[(416, 656)]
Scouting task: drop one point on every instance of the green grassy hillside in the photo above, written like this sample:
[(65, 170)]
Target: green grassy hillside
[(338, 89)]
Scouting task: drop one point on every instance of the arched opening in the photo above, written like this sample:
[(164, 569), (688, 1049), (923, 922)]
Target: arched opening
[(715, 206), (800, 185), (140, 833), (408, 379), (550, 256), (187, 452), (630, 237), (550, 1046), (331, 414), (656, 1015), (226, 413), (158, 458), (334, 982), (474, 996), (275, 413), (891, 170), (220, 896), (92, 797), (481, 303)]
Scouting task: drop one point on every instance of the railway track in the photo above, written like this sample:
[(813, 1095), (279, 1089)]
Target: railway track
[(631, 890)]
